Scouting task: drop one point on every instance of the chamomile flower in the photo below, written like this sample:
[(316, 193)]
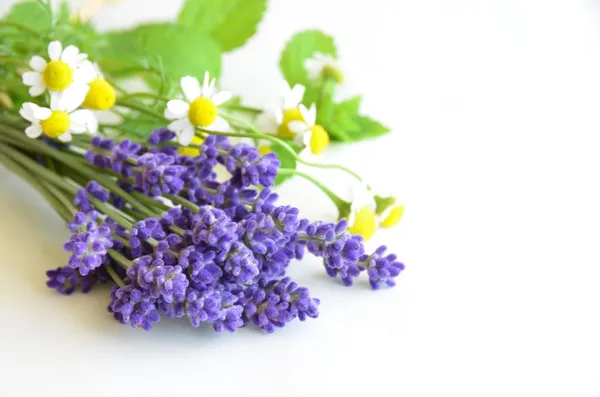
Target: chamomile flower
[(66, 69), (323, 66), (362, 218), (276, 121), (61, 119), (391, 216), (101, 95), (307, 133), (199, 110)]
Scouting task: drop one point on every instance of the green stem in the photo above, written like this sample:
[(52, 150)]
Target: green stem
[(141, 109), (183, 202), (111, 272), (21, 28), (120, 259), (61, 197), (143, 95), (342, 205), (241, 108), (125, 242), (325, 104)]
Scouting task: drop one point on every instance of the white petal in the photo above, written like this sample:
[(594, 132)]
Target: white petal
[(74, 96), (311, 116), (185, 137), (210, 90), (56, 101), (33, 131), (219, 125), (294, 97), (179, 125), (26, 111), (266, 122), (83, 120), (37, 90), (221, 97), (54, 50), (85, 73), (304, 112), (298, 127), (178, 107), (41, 113), (37, 63), (205, 83), (70, 55), (300, 138), (82, 56), (32, 78), (278, 115), (190, 87), (66, 137), (170, 115)]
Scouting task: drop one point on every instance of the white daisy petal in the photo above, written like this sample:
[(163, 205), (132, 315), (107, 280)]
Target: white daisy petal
[(221, 97), (180, 124), (33, 131), (304, 112), (85, 118), (32, 78), (300, 138), (190, 86), (56, 101), (306, 138), (70, 55), (267, 122), (54, 50), (178, 107), (278, 115), (41, 113), (205, 83), (37, 63), (85, 73), (218, 125), (170, 115), (73, 97), (311, 116), (26, 111), (297, 127), (66, 137), (210, 90), (37, 90), (185, 137)]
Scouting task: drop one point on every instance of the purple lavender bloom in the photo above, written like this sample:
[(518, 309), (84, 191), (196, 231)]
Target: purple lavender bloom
[(160, 136), (215, 229), (97, 191), (200, 265), (202, 306), (156, 278), (130, 305), (88, 249), (83, 221), (106, 154), (239, 262), (247, 167), (81, 201), (148, 228), (339, 249), (381, 268), (272, 304), (66, 279), (158, 174)]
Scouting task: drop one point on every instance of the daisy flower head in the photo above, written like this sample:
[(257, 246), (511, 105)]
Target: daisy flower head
[(362, 219), (307, 132), (66, 69), (61, 119), (323, 66), (199, 109), (101, 95), (389, 210), (276, 121)]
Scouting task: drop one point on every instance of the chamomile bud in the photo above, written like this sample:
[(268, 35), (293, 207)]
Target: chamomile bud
[(392, 216), (362, 218), (101, 95)]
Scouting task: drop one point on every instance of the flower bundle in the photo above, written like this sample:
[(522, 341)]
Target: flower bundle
[(155, 216)]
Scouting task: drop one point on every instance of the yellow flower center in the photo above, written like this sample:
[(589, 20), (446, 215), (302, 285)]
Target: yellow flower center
[(190, 150), (264, 149), (365, 223), (394, 216), (331, 72), (57, 75), (57, 124), (101, 95), (319, 139), (203, 112), (291, 114)]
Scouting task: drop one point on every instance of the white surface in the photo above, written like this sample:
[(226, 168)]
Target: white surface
[(494, 106)]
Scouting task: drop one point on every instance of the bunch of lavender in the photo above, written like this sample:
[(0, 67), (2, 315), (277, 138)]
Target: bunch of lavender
[(179, 243)]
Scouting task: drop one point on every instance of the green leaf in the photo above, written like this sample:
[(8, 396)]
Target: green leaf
[(62, 14), (31, 14), (302, 46), (349, 126), (229, 22), (286, 159), (176, 50), (139, 127)]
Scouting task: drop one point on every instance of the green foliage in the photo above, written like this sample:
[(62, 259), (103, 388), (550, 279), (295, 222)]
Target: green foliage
[(286, 159), (138, 127), (31, 14), (348, 125), (229, 22), (173, 49), (301, 47)]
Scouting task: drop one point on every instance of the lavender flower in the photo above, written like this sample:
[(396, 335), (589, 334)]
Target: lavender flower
[(83, 221), (239, 262), (143, 230), (158, 174), (381, 268), (97, 191), (272, 304), (248, 167), (106, 154), (81, 201), (130, 305), (200, 265), (214, 228), (156, 278), (88, 249)]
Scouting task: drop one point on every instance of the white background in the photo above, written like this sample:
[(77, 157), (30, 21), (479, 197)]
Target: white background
[(494, 151)]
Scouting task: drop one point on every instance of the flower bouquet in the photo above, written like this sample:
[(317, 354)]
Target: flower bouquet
[(167, 191)]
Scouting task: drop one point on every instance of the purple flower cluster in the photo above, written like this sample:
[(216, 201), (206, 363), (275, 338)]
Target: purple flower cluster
[(66, 279), (220, 258)]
